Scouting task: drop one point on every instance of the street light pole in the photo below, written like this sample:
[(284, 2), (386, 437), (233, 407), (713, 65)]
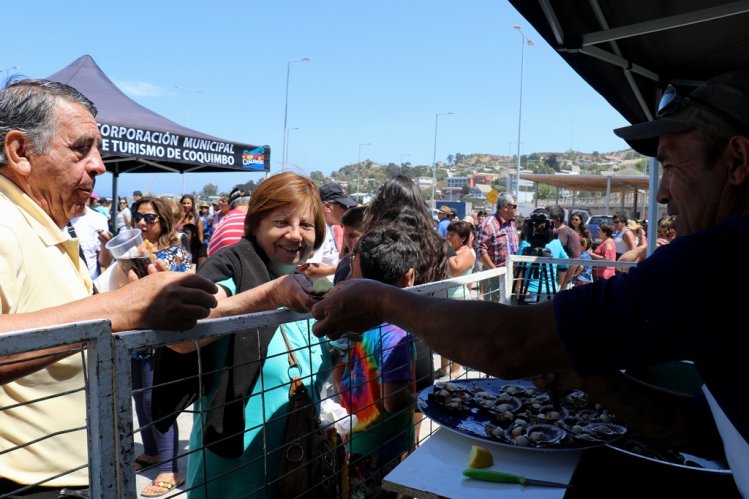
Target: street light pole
[(358, 171), (187, 99), (187, 106), (286, 141), (434, 156), (286, 109), (520, 104)]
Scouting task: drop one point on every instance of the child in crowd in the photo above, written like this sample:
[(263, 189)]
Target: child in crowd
[(378, 379), (351, 221), (585, 272), (666, 231)]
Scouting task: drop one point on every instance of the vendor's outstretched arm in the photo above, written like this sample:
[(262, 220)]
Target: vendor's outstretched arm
[(506, 341)]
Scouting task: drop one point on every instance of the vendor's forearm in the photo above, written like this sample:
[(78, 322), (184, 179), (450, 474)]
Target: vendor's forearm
[(512, 342)]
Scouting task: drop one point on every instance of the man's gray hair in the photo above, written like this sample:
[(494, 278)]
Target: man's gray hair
[(238, 197), (243, 201), (27, 106), (505, 198)]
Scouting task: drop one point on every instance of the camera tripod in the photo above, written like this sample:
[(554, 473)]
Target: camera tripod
[(542, 273)]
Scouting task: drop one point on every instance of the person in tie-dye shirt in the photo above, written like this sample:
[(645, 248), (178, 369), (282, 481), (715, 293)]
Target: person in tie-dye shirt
[(377, 384)]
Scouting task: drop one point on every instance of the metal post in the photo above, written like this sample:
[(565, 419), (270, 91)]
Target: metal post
[(434, 157), (523, 41), (286, 111)]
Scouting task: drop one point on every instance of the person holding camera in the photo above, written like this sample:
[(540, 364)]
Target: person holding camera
[(535, 280)]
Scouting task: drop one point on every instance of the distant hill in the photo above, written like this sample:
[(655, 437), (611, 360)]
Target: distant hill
[(367, 175)]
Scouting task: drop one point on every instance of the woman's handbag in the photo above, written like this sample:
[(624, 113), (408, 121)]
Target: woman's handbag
[(308, 461)]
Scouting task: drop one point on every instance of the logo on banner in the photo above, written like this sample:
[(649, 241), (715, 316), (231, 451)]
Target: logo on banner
[(253, 157)]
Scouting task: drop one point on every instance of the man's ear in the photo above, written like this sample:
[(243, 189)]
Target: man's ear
[(17, 149), (737, 156)]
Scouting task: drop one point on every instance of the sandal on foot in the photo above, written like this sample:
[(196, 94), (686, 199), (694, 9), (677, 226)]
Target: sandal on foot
[(167, 486)]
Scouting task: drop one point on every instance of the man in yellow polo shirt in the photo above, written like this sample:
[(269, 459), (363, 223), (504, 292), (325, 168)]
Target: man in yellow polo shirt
[(48, 165)]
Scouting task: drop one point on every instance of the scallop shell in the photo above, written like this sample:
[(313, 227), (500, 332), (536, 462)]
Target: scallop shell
[(605, 431), (548, 414), (544, 435), (497, 433), (514, 390), (577, 399), (506, 403)]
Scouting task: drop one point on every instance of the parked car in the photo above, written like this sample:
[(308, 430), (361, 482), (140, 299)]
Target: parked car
[(593, 224)]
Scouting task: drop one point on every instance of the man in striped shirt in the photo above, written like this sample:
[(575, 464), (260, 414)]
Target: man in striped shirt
[(497, 239), (231, 228)]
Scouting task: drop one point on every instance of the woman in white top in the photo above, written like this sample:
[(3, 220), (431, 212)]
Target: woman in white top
[(624, 239), (460, 238), (123, 215)]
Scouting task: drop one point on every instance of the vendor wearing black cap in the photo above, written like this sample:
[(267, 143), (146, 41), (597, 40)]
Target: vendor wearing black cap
[(672, 306), (325, 260)]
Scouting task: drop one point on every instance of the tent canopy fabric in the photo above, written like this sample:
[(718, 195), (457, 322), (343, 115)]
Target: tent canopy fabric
[(136, 139), (628, 51), (591, 183)]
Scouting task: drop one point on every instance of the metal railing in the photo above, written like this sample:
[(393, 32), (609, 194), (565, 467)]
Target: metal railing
[(108, 387)]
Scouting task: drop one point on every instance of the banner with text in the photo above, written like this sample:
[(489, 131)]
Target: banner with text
[(166, 146)]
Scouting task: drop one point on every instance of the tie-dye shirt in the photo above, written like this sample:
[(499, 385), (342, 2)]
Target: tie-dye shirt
[(385, 354)]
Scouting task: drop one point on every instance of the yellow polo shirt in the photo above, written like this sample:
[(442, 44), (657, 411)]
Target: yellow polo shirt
[(40, 268)]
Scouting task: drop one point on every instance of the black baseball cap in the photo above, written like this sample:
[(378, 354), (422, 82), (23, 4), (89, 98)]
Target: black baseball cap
[(720, 107), (334, 193)]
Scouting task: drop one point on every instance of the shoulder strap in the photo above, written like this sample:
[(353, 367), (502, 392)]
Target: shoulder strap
[(296, 382), (292, 360)]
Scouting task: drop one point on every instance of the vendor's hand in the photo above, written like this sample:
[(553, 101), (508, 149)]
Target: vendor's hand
[(560, 381), (354, 305), (564, 381), (163, 300)]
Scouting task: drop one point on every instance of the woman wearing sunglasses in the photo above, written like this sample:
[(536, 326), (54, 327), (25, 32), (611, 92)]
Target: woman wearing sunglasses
[(155, 218)]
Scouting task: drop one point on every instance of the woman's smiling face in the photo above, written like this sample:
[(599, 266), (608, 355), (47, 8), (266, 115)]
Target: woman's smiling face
[(287, 235)]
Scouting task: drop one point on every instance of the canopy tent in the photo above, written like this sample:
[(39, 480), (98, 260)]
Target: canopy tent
[(628, 51), (138, 140), (595, 183), (135, 139), (590, 183)]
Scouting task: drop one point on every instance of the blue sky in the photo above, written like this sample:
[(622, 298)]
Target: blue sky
[(378, 73)]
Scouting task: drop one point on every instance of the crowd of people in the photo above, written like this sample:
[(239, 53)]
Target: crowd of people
[(273, 243)]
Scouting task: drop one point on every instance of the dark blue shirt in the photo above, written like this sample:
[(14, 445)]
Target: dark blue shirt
[(678, 304)]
